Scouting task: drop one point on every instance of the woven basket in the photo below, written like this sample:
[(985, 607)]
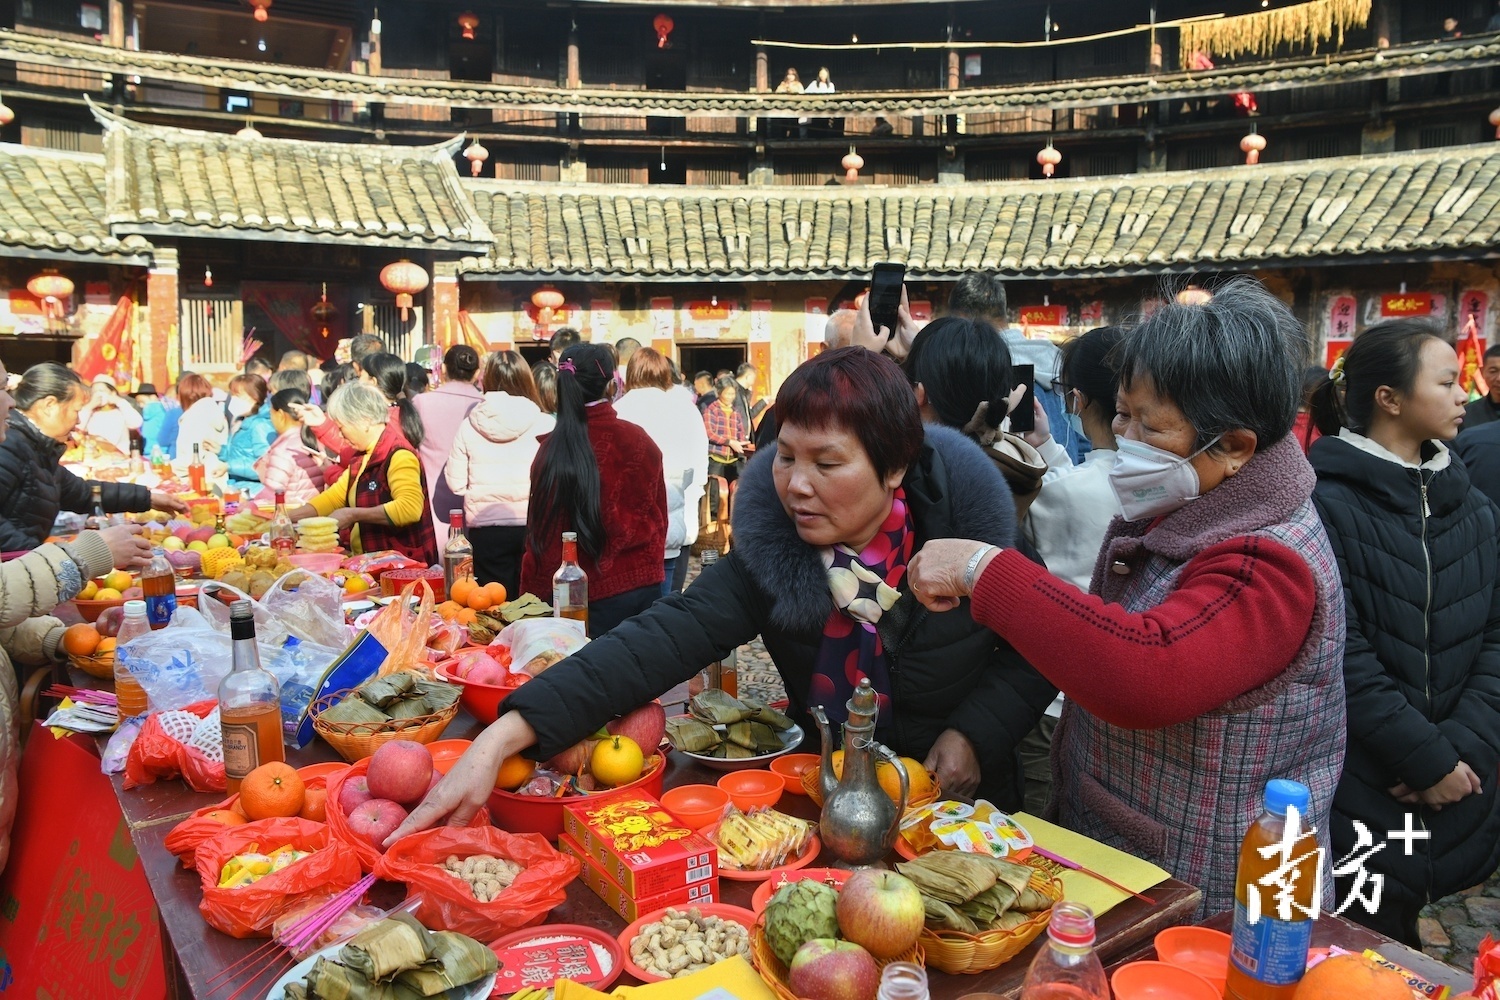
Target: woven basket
[(357, 740), (100, 665), (957, 953), (812, 785), (774, 971)]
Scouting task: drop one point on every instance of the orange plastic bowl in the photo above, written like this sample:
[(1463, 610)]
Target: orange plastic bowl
[(445, 753), (792, 767), (1160, 981), (695, 806), (753, 789), (534, 814), (482, 701), (1200, 950)]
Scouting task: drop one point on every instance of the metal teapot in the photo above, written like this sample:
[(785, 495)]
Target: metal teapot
[(859, 822)]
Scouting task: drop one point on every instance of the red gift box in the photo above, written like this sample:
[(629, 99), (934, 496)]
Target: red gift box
[(621, 902), (640, 846)]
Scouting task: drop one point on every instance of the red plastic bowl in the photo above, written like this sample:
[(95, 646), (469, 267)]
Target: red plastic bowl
[(445, 753), (1200, 950), (695, 806), (534, 814), (791, 768), (1160, 981), (753, 789), (482, 701)]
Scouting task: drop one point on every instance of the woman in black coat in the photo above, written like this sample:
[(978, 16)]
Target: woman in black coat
[(1419, 550), (852, 476)]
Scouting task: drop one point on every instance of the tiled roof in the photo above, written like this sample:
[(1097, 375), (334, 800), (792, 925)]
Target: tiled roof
[(183, 182), (1425, 202), (52, 205), (289, 81)]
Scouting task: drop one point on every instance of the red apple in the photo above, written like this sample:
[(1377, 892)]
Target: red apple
[(436, 777), (400, 771), (486, 671), (354, 793), (882, 911), (646, 725), (825, 969), (133, 593), (376, 820), (573, 760), (110, 620)]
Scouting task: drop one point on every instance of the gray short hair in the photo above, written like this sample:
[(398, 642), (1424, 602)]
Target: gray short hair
[(839, 330), (355, 402), (1232, 363)]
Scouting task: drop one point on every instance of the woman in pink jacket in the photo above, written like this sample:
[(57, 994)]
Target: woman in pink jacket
[(293, 464)]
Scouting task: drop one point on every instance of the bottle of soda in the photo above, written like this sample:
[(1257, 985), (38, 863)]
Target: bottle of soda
[(159, 584), (283, 532), (570, 584), (195, 472), (1268, 957), (1067, 968), (458, 554), (249, 703), (129, 694)]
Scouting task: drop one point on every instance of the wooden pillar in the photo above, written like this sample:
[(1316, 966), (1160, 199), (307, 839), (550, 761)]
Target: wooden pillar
[(374, 50), (952, 69), (762, 71), (446, 330), (162, 311), (117, 23), (574, 77)]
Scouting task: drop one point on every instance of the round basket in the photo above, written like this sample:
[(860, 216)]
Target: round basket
[(957, 953), (774, 971), (100, 665), (357, 740), (812, 785)]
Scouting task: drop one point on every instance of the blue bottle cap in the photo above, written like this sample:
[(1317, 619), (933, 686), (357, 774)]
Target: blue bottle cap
[(1281, 793)]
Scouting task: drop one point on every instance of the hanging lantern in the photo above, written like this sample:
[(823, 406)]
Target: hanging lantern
[(852, 164), (1049, 158), (405, 279), (51, 288), (547, 301), (663, 25), (1192, 295), (476, 155), (324, 312), (261, 9), (208, 276), (467, 22), (249, 132), (1252, 145), (7, 115)]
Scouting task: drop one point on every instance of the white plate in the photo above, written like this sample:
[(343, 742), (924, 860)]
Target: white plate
[(477, 990), (790, 740)]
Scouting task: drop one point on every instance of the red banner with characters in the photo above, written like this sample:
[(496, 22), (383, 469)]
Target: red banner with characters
[(1043, 315), (289, 306), (113, 351), (1406, 304), (1471, 360)]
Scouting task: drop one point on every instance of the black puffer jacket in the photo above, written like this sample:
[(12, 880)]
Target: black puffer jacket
[(947, 672), (1422, 661), (34, 487)]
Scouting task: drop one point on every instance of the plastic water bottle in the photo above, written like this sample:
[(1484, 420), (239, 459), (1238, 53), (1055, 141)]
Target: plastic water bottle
[(903, 981), (1268, 954), (1067, 969), (129, 694)]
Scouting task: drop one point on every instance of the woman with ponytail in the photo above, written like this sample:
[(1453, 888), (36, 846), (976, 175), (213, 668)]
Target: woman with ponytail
[(1418, 548), (601, 477)]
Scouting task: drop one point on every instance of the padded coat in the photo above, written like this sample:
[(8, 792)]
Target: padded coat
[(34, 487)]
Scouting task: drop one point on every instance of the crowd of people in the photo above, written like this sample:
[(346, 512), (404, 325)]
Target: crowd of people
[(1203, 567)]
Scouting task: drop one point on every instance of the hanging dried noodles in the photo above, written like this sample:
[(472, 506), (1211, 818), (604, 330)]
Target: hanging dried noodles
[(1264, 32)]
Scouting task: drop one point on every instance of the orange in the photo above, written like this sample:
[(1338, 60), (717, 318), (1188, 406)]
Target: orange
[(106, 645), (273, 789), (448, 610), (226, 816), (496, 591), (466, 616), (479, 599), (237, 807), (315, 805), (1350, 977), (80, 640), (514, 773), (461, 591)]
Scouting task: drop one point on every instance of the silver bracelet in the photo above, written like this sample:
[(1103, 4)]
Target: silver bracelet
[(973, 566)]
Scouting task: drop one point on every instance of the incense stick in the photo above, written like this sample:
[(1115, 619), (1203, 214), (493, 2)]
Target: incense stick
[(1075, 866)]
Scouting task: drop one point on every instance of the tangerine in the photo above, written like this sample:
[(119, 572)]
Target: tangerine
[(448, 610), (496, 590), (273, 789), (466, 616), (315, 805), (461, 590), (1350, 977), (228, 817), (616, 761), (479, 599), (80, 640), (514, 773), (106, 645), (237, 807)]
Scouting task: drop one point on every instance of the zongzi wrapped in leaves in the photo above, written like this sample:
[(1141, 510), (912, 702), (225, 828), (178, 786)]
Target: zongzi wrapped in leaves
[(1017, 876), (767, 740), (1010, 920), (438, 695), (942, 917), (353, 710), (457, 960), (717, 708), (763, 713), (740, 734), (294, 991), (408, 708), (1031, 900), (389, 688), (388, 947), (984, 908), (332, 981), (692, 735), (949, 876)]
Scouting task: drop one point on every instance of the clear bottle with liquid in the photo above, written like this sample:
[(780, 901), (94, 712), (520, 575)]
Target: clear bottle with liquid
[(1267, 958), (903, 981), (137, 466), (283, 532), (196, 472), (458, 554), (570, 584), (159, 585), (1067, 968), (722, 674), (249, 703), (97, 520), (129, 694)]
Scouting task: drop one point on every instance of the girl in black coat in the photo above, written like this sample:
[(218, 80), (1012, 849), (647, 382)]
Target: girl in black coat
[(1419, 552)]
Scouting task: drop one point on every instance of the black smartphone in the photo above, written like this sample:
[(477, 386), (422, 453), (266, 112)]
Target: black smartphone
[(1023, 417), (885, 295)]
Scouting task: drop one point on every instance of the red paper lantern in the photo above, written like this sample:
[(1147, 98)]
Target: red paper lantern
[(476, 155), (324, 312), (1252, 145), (208, 276), (547, 301), (663, 25), (261, 9), (405, 279), (1049, 158), (6, 114), (467, 22), (51, 288), (1494, 119), (852, 164)]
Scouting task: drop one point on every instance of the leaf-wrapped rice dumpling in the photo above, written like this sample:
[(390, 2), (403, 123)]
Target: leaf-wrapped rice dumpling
[(332, 981), (437, 694), (717, 708), (408, 708), (389, 688), (733, 751), (941, 916), (1017, 876), (766, 739), (1010, 920), (457, 960), (390, 946), (692, 735), (1031, 901), (740, 734), (778, 721), (353, 710)]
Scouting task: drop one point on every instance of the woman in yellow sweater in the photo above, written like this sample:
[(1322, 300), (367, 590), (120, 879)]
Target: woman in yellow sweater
[(381, 501)]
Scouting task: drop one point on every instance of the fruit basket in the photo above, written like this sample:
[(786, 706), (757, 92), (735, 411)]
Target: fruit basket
[(812, 785), (957, 953), (774, 971), (89, 611), (357, 740), (537, 814), (100, 665), (394, 581)]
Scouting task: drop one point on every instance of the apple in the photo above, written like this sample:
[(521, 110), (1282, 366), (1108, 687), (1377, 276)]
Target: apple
[(201, 534), (825, 969), (573, 760), (218, 541), (133, 593), (173, 544), (882, 911), (646, 726), (376, 820), (109, 622), (354, 793), (487, 671), (400, 771), (197, 546)]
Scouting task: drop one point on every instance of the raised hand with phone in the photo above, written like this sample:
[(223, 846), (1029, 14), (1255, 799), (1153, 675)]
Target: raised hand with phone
[(884, 321)]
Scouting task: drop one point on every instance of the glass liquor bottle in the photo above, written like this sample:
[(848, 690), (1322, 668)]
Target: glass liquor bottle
[(195, 472), (458, 554), (283, 533), (98, 520), (249, 703), (570, 584)]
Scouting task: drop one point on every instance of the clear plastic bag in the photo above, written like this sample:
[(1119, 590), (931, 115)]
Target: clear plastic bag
[(300, 604), (537, 643)]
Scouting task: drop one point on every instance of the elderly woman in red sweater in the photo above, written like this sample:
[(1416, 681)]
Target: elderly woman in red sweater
[(1207, 657), (600, 477)]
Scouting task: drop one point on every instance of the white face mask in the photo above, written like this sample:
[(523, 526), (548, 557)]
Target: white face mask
[(1075, 420), (1150, 482), (239, 406)]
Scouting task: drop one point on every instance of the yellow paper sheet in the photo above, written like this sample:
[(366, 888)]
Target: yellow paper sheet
[(1125, 869), (733, 978)]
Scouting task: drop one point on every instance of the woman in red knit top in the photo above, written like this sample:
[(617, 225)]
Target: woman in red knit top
[(601, 477), (1207, 656)]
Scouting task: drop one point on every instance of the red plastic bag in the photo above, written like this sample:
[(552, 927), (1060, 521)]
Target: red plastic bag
[(185, 837), (338, 824), (251, 910), (448, 904), (155, 755)]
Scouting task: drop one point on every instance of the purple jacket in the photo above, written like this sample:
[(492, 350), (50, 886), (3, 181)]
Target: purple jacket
[(443, 411)]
